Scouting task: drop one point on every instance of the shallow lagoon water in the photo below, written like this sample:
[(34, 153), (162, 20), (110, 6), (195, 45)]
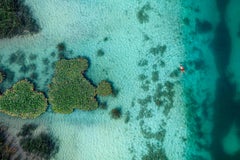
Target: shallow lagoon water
[(166, 114)]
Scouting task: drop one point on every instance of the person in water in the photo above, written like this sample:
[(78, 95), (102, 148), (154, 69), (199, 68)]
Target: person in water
[(182, 68)]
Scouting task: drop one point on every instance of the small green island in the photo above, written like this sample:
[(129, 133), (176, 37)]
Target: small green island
[(22, 101), (71, 90)]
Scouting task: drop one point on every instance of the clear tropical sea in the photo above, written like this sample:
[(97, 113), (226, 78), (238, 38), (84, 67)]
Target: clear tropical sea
[(139, 46)]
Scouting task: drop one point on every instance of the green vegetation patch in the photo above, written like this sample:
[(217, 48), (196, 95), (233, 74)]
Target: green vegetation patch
[(104, 88), (15, 19), (1, 77), (70, 89), (22, 101)]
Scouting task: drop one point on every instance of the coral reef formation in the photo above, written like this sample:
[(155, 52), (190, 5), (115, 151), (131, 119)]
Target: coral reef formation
[(104, 88), (22, 101), (116, 113)]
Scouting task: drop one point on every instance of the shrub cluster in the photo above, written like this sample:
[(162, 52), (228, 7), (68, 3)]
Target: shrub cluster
[(104, 88), (22, 101), (70, 89), (1, 77)]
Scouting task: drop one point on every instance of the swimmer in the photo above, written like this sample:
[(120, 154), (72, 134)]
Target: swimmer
[(182, 68)]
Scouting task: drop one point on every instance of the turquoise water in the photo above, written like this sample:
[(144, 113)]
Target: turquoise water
[(138, 45)]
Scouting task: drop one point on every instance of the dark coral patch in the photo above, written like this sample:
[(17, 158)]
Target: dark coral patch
[(142, 15), (203, 26), (17, 58)]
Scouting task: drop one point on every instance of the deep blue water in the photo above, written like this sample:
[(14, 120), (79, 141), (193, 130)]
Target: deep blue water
[(226, 109)]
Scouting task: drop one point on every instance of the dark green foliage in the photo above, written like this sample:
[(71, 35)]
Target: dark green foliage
[(203, 26), (143, 62), (142, 15), (22, 101), (158, 49), (116, 113), (17, 57), (61, 47), (16, 19), (104, 88), (155, 76), (27, 129), (70, 89), (1, 77), (100, 53), (42, 144)]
